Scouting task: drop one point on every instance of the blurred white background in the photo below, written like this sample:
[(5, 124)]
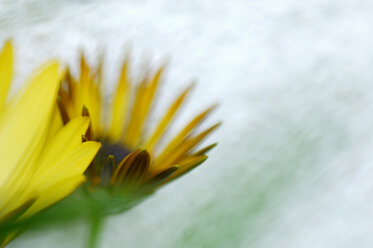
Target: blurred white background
[(294, 164)]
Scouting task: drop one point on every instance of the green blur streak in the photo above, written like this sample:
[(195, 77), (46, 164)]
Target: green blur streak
[(245, 202)]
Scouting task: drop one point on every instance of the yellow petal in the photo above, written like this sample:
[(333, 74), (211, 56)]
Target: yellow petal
[(85, 74), (71, 164), (66, 139), (15, 199), (86, 92), (6, 70), (179, 139), (162, 126), (89, 94), (120, 105), (133, 127), (123, 167), (186, 165), (156, 178), (23, 127), (54, 193), (204, 150), (55, 125), (180, 151), (140, 110)]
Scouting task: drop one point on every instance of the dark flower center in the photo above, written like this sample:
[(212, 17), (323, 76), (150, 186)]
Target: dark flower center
[(117, 150), (103, 166)]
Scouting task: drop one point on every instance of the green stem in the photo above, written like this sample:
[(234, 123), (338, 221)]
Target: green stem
[(96, 223)]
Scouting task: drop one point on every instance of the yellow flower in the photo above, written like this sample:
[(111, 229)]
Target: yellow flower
[(130, 157), (41, 162)]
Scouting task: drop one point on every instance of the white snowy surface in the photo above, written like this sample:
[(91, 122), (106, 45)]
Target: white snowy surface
[(294, 164)]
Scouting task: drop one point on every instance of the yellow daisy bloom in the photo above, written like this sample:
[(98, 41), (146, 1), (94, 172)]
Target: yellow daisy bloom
[(41, 161), (130, 159)]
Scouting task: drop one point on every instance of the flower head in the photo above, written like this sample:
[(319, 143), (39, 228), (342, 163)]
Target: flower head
[(41, 161), (130, 159)]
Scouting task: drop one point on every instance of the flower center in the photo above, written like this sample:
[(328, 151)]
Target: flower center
[(102, 167), (117, 150)]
